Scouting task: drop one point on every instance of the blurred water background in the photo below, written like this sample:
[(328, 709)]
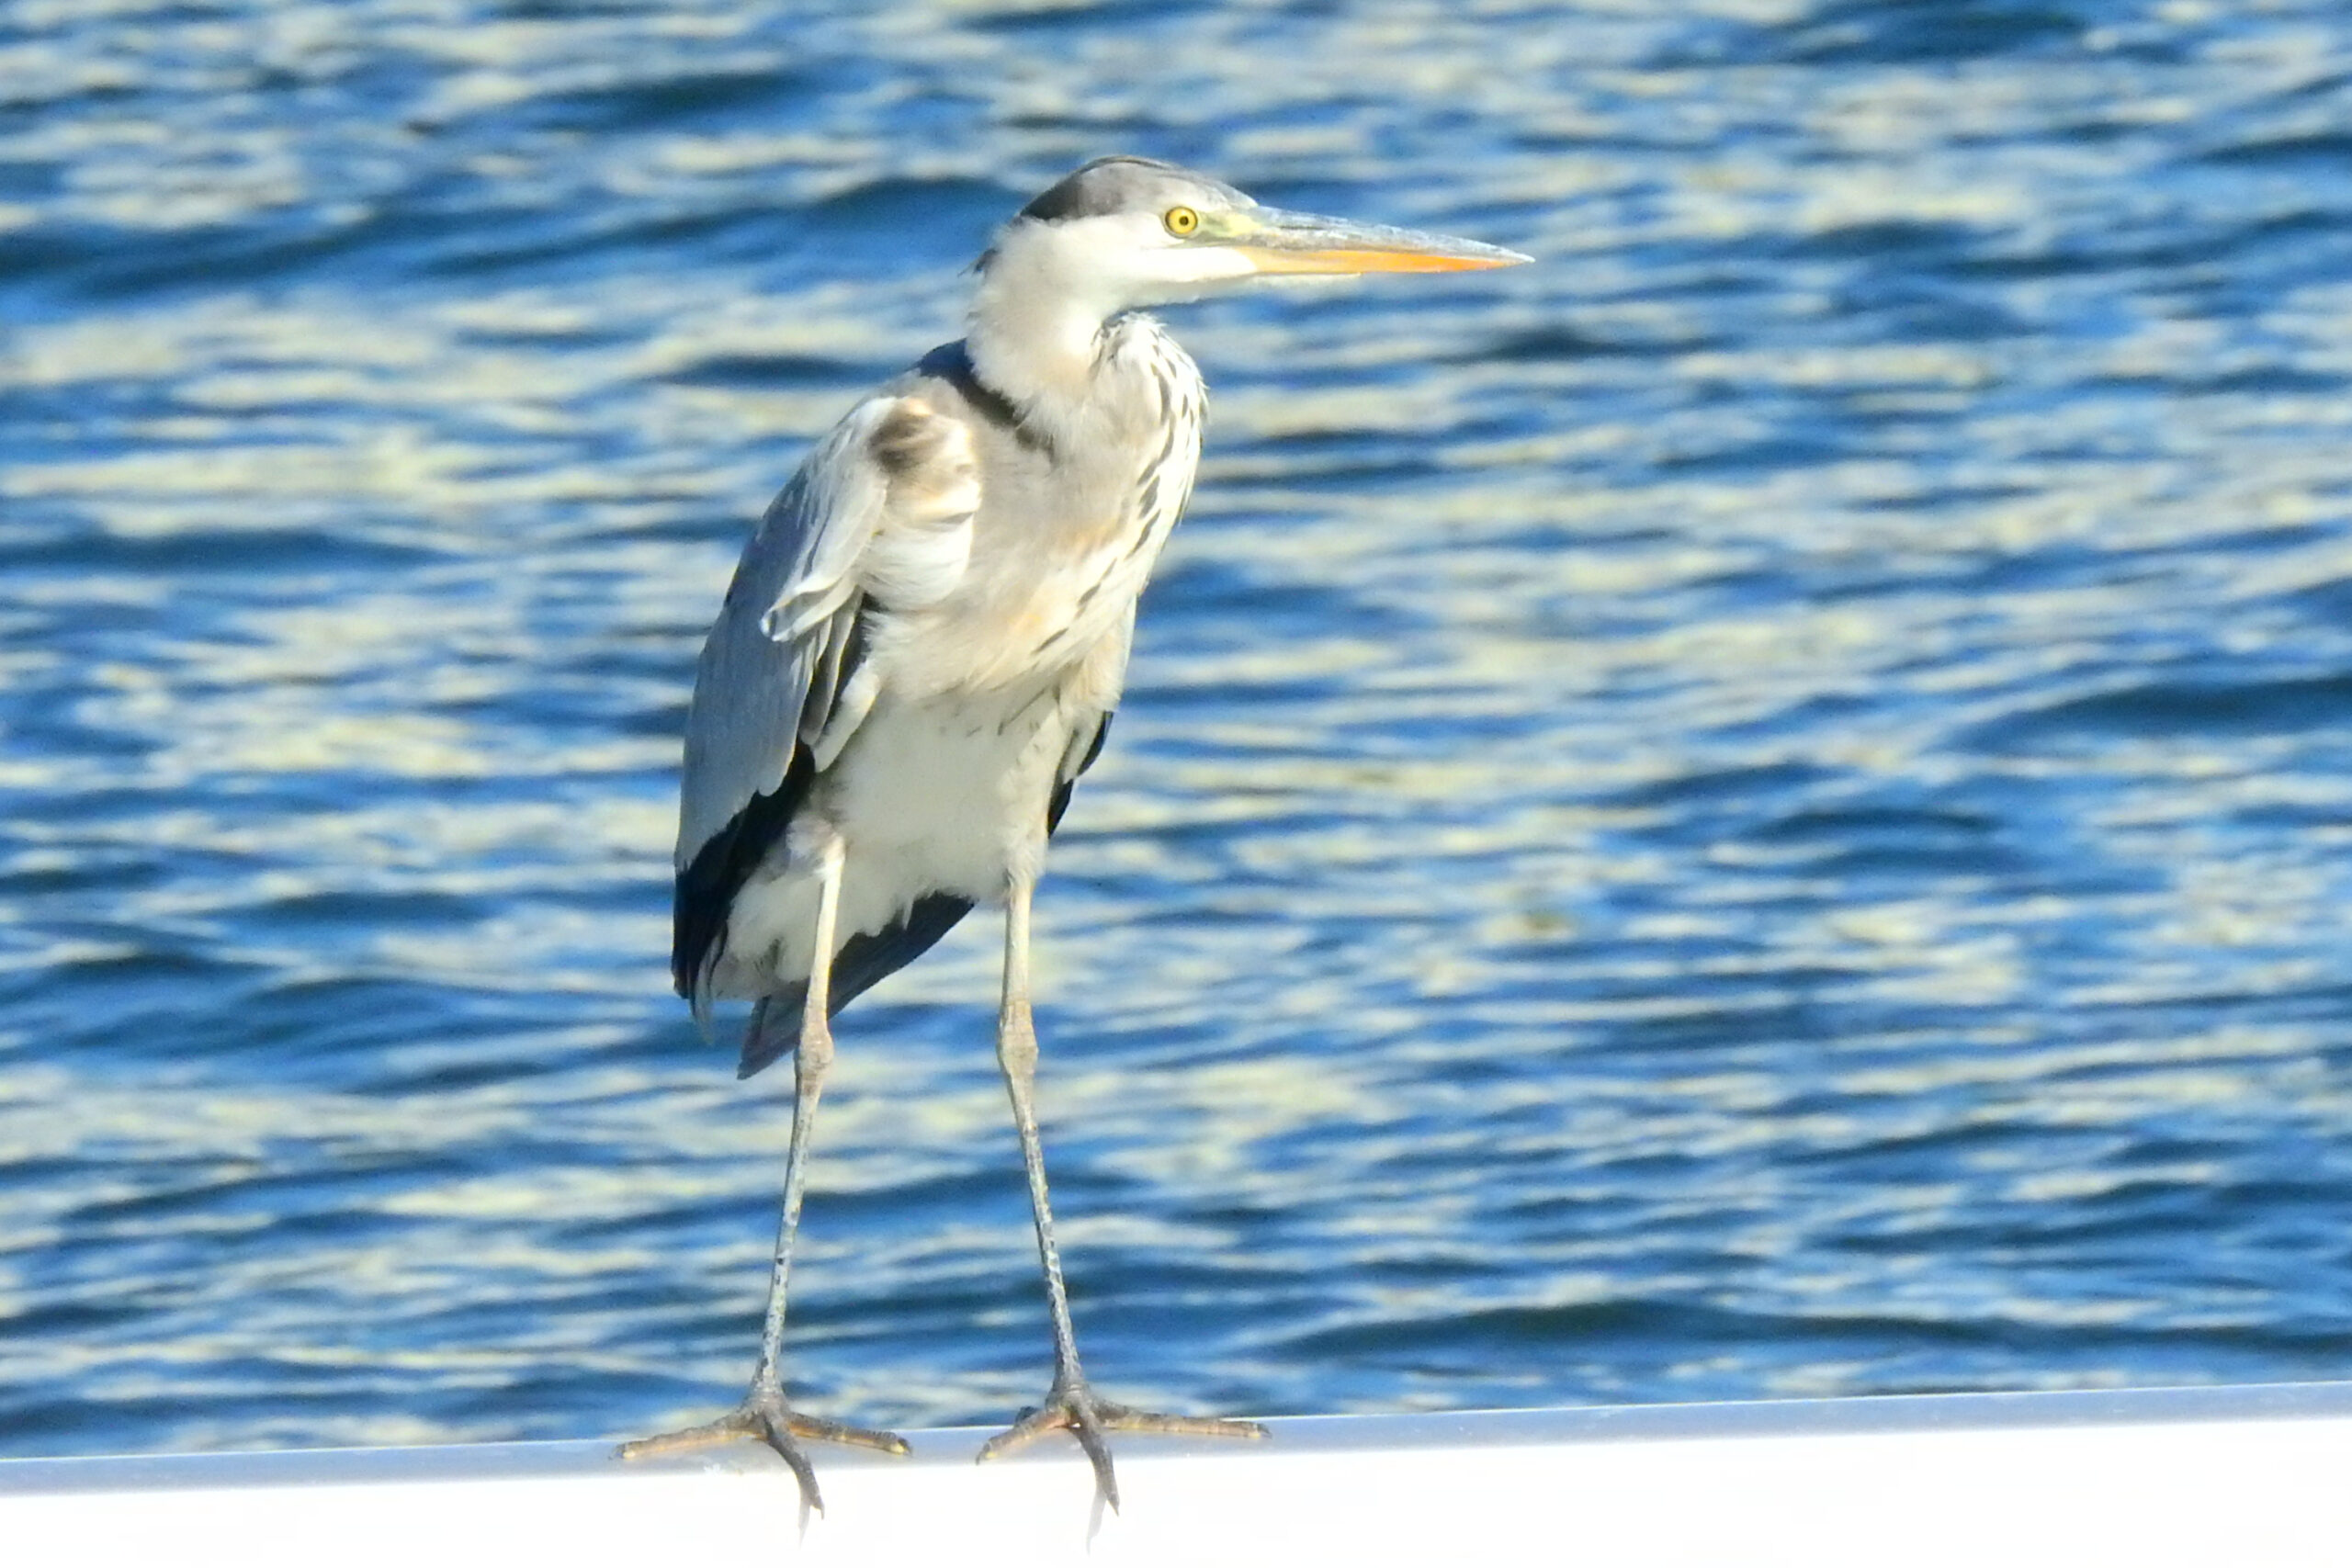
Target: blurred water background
[(1758, 808)]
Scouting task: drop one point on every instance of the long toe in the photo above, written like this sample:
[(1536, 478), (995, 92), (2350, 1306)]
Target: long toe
[(765, 1416), (739, 1422), (1086, 1419), (822, 1431), (1123, 1418)]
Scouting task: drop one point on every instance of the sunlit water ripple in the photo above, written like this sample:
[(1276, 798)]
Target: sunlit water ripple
[(1757, 809)]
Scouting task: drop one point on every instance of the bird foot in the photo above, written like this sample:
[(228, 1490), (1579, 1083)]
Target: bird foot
[(1072, 1407), (765, 1415)]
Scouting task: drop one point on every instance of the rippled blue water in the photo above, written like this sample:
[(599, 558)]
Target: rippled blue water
[(1757, 809)]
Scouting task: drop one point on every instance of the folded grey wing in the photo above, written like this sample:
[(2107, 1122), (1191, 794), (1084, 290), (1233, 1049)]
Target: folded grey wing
[(885, 504)]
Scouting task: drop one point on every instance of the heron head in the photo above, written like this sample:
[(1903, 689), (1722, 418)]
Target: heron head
[(1125, 232)]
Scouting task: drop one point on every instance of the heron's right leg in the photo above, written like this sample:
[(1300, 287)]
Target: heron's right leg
[(765, 1413)]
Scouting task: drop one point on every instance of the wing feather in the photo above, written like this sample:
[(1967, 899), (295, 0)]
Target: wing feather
[(893, 480)]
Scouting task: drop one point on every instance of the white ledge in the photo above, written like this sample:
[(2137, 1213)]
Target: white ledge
[(2231, 1477)]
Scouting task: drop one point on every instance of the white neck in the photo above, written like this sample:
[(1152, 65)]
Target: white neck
[(1035, 347), (1036, 327)]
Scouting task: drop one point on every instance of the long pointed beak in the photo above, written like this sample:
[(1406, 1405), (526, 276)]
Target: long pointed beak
[(1302, 244)]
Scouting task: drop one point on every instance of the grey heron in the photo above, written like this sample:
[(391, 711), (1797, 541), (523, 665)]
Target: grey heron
[(920, 654)]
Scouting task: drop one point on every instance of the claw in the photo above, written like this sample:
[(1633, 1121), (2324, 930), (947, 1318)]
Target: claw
[(1075, 1410), (765, 1415)]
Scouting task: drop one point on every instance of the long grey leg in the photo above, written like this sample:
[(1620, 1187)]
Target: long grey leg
[(765, 1414), (1016, 1054), (811, 1059), (1069, 1404)]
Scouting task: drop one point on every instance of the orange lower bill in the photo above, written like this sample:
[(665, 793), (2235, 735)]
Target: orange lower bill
[(1339, 262)]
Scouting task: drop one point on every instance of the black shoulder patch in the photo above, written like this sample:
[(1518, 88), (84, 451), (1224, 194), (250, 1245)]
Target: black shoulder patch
[(952, 363)]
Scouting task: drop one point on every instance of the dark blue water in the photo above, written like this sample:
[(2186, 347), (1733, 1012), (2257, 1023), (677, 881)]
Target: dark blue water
[(1758, 808)]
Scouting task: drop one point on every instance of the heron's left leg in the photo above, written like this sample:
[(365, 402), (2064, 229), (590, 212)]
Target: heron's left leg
[(1070, 1406)]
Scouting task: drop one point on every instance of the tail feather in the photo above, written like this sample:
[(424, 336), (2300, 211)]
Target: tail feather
[(863, 960)]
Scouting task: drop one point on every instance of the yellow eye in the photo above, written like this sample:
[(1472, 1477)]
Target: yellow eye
[(1182, 220)]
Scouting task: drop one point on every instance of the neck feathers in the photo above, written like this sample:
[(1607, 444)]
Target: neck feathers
[(1035, 336)]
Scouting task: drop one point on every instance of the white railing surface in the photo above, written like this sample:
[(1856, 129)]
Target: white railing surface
[(2215, 1477)]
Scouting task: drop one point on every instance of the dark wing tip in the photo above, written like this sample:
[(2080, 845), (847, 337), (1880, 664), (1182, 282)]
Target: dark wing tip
[(705, 895)]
